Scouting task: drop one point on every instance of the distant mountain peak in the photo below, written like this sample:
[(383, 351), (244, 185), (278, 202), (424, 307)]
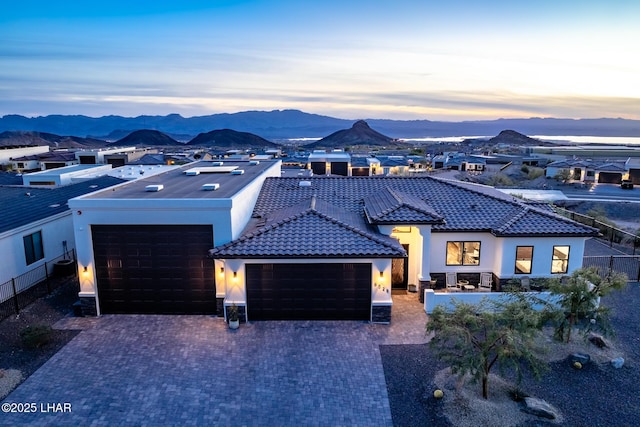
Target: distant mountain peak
[(360, 133)]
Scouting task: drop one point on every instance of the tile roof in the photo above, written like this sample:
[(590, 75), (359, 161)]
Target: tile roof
[(394, 207), (332, 217), (312, 229), (24, 205), (464, 207)]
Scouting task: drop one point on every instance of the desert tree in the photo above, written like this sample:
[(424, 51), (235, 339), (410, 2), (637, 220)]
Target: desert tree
[(578, 302), (563, 175), (474, 338)]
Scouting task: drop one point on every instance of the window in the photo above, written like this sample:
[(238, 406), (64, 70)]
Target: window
[(560, 260), (33, 247), (463, 253), (524, 259)]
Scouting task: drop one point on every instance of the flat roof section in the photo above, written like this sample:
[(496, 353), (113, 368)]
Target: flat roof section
[(177, 184)]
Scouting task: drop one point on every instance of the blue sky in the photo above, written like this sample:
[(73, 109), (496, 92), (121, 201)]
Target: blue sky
[(461, 60)]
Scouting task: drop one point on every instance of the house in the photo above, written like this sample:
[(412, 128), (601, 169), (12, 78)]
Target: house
[(36, 225), (142, 245), (65, 175), (10, 153), (335, 247), (43, 161), (335, 162), (605, 172), (204, 236)]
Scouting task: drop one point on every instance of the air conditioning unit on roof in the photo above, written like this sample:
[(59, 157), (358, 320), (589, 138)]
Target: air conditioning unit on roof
[(237, 172), (154, 187), (210, 187)]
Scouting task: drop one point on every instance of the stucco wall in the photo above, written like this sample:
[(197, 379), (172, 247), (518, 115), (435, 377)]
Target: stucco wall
[(54, 230)]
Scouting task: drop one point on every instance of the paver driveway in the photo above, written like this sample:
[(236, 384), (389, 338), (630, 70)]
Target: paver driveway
[(192, 370)]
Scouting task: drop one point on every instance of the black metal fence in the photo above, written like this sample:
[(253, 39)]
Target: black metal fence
[(622, 240), (22, 290), (607, 264)]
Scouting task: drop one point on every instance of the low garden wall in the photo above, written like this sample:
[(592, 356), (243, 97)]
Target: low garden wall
[(432, 298)]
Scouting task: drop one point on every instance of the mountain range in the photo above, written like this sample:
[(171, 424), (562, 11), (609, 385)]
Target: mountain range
[(283, 124)]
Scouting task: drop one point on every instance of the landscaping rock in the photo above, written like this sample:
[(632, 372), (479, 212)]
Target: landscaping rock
[(617, 363), (539, 408), (580, 357), (598, 341)]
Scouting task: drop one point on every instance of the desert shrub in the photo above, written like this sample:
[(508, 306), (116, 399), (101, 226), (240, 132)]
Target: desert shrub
[(524, 169), (35, 336), (535, 173), (500, 180)]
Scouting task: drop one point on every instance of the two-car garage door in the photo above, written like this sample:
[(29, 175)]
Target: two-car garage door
[(308, 291), (160, 269)]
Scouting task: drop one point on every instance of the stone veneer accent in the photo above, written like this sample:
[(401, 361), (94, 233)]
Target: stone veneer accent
[(88, 306), (381, 314), (220, 307)]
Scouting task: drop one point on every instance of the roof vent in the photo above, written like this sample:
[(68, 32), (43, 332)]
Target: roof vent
[(304, 183), (192, 172), (217, 163), (154, 187), (210, 187), (237, 172), (254, 162)]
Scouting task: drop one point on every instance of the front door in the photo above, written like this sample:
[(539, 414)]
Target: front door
[(400, 271)]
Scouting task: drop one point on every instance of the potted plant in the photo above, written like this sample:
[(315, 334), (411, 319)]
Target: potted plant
[(232, 316)]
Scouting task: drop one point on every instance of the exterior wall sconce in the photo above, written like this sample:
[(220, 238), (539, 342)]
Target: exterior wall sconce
[(85, 269), (221, 271), (235, 275)]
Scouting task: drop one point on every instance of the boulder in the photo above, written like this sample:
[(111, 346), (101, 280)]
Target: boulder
[(598, 341), (539, 408), (618, 362), (580, 357)]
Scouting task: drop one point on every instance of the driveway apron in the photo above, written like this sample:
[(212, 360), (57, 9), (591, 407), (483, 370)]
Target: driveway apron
[(149, 370)]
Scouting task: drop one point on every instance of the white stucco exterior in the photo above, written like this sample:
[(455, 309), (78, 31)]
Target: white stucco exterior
[(54, 229), (228, 216)]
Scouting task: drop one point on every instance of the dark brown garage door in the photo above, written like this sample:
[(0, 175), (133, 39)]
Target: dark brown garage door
[(609, 177), (308, 291), (161, 269)]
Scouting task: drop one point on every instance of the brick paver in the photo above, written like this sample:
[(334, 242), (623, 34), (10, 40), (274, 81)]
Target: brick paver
[(192, 370)]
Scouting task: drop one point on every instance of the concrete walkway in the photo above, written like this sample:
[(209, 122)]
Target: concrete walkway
[(192, 370)]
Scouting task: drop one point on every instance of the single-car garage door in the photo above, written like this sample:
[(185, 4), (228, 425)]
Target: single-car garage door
[(308, 291), (159, 269)]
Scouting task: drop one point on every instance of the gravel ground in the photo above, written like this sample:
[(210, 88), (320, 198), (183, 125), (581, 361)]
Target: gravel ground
[(597, 395), (44, 311)]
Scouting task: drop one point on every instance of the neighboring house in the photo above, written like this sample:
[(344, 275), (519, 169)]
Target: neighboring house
[(113, 156), (460, 161), (36, 224), (394, 165), (142, 246), (65, 175), (8, 156), (604, 172), (57, 159), (336, 162), (335, 247)]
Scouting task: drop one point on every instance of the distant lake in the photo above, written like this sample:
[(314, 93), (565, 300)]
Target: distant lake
[(574, 139)]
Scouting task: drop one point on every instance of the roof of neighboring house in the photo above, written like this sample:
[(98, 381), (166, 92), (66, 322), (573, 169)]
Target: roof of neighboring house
[(592, 164), (447, 205), (611, 167), (10, 178), (336, 233), (24, 205), (359, 162)]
